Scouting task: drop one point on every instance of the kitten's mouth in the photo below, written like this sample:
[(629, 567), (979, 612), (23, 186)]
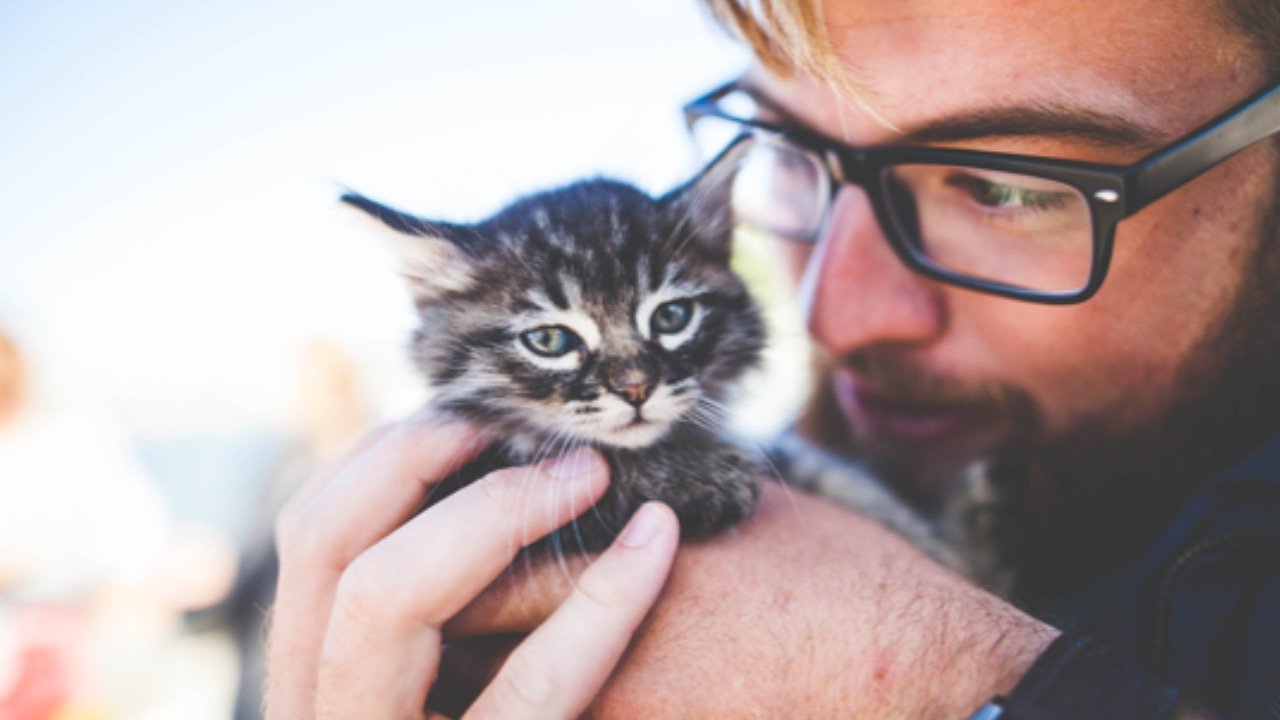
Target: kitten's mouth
[(637, 433)]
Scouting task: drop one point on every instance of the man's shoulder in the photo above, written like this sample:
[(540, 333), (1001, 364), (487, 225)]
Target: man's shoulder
[(1242, 499), (1210, 588)]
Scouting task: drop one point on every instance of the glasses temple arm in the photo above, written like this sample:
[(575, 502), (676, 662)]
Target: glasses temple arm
[(1221, 138)]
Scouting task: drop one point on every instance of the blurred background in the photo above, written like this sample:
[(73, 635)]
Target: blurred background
[(192, 322)]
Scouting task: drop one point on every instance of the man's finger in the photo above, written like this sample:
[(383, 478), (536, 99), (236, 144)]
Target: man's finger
[(561, 667), (333, 523), (312, 488), (523, 598), (392, 600), (378, 490)]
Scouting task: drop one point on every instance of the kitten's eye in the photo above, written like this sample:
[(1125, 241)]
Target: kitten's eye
[(551, 341), (671, 317)]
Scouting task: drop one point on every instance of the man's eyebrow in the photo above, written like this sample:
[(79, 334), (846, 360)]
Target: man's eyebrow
[(1064, 122), (1059, 122)]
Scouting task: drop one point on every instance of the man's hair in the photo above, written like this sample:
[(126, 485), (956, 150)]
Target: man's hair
[(783, 34), (1259, 22), (789, 35)]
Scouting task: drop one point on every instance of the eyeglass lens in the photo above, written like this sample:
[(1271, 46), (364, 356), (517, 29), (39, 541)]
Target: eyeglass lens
[(781, 190), (1018, 230), (1013, 229)]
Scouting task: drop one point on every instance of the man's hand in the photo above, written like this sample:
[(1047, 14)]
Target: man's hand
[(366, 584), (805, 610)]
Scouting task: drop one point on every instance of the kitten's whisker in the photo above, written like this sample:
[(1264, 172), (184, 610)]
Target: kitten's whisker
[(553, 519), (760, 450), (520, 545), (698, 420), (557, 542), (710, 414), (577, 530), (707, 419), (570, 443), (545, 450), (609, 527), (540, 453), (524, 552), (713, 404), (716, 405)]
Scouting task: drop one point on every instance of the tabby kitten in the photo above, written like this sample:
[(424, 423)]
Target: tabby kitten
[(593, 315)]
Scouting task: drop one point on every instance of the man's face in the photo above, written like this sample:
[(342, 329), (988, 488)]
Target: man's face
[(927, 377)]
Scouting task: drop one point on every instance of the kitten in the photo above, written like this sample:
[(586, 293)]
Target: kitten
[(975, 534), (593, 315)]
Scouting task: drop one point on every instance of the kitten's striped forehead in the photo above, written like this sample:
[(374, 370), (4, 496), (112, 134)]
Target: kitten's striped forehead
[(607, 254)]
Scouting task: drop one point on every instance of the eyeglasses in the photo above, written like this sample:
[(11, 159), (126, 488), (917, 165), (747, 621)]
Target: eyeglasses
[(1024, 227)]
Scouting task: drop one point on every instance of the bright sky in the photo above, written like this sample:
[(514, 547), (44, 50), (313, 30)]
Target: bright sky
[(169, 236)]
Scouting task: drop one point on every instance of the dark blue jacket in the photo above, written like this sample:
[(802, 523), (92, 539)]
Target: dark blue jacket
[(1202, 606)]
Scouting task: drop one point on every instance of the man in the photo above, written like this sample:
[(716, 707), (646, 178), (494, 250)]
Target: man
[(1141, 411)]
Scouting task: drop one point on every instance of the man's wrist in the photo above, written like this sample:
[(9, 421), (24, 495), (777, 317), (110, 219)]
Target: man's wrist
[(993, 646), (1000, 652), (966, 647)]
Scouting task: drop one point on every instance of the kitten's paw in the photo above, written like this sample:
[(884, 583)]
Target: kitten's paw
[(978, 524), (726, 494)]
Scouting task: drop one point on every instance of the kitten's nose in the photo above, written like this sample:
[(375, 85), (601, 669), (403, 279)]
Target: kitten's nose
[(632, 384), (635, 393)]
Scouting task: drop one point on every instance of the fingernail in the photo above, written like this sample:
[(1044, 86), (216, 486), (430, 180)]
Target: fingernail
[(644, 526), (579, 463)]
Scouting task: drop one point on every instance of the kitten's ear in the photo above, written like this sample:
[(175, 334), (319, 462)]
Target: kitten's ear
[(436, 258), (703, 207)]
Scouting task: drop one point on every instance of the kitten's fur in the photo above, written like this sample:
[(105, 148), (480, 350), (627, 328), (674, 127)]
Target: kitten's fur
[(973, 535), (602, 260), (620, 271)]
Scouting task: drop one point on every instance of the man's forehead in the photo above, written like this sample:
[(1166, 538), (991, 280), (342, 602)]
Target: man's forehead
[(1005, 21), (1131, 75)]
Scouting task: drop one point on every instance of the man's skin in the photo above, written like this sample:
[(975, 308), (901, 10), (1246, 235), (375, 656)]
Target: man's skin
[(803, 611), (808, 610)]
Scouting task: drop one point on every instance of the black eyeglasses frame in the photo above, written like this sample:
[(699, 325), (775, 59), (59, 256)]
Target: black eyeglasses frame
[(1113, 192)]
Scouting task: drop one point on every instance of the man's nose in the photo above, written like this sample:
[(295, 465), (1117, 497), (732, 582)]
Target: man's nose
[(861, 293)]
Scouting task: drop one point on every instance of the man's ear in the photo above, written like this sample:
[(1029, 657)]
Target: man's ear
[(702, 208), (435, 258)]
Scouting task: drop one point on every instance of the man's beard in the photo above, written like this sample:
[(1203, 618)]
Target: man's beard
[(1099, 492), (920, 476)]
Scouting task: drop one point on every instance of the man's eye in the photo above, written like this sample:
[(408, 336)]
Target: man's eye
[(551, 340), (671, 317), (1007, 196)]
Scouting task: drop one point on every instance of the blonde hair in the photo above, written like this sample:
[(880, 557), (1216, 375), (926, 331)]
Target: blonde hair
[(785, 35), (791, 35), (1259, 21)]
